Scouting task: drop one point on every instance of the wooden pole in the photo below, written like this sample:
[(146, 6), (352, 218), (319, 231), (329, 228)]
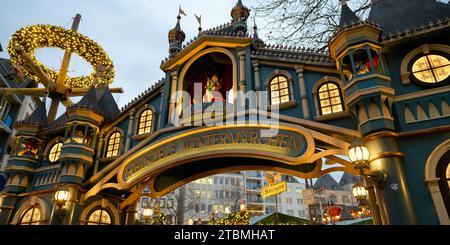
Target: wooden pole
[(276, 208), (63, 73)]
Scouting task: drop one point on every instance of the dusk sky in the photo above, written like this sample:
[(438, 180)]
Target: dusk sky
[(133, 32)]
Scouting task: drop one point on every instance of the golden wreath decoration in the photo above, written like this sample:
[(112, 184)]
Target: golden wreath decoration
[(33, 37)]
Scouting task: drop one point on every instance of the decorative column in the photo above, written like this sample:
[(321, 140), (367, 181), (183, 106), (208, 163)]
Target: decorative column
[(433, 186), (303, 92), (173, 90), (161, 108), (130, 130), (101, 140), (63, 213), (7, 202), (373, 203), (394, 198), (242, 85), (130, 214), (257, 76)]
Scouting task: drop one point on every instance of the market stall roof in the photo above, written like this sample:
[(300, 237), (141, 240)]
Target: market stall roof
[(363, 221), (270, 219)]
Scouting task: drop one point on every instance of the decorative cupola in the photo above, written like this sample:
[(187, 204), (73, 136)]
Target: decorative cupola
[(348, 17), (26, 152), (240, 14), (258, 42), (176, 38), (369, 97), (82, 129), (357, 51)]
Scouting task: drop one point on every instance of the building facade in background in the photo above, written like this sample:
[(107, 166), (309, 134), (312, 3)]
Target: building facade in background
[(12, 108)]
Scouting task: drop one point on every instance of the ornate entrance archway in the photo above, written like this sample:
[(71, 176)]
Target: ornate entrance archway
[(173, 157)]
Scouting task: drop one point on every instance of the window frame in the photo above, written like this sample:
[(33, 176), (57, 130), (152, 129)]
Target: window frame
[(100, 221), (136, 121), (419, 82), (31, 222), (119, 144), (444, 185), (329, 98), (282, 105), (138, 129), (277, 77), (56, 153)]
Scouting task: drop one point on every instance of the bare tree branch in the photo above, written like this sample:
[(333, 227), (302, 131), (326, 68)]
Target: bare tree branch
[(308, 23)]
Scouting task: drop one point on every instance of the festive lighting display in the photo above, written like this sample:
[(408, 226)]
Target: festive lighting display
[(239, 218), (33, 37)]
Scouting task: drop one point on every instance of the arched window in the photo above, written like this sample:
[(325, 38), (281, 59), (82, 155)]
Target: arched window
[(55, 152), (279, 90), (443, 173), (31, 217), (431, 68), (113, 145), (330, 99), (145, 122), (99, 217)]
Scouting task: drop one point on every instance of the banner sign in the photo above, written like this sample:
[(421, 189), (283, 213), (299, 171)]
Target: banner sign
[(308, 197), (273, 190), (292, 145)]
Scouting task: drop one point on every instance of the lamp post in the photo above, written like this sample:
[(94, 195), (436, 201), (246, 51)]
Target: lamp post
[(59, 211), (359, 191), (243, 207), (148, 213), (360, 156), (61, 197)]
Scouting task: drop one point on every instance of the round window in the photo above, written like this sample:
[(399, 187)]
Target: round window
[(55, 152), (431, 68)]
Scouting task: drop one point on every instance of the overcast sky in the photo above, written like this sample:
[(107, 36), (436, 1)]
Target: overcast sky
[(132, 32)]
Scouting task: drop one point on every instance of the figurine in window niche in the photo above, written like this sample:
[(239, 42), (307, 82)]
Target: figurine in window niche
[(27, 148), (213, 86), (361, 68), (78, 138), (348, 73)]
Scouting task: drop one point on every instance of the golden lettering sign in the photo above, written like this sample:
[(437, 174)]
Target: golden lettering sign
[(292, 145), (273, 190)]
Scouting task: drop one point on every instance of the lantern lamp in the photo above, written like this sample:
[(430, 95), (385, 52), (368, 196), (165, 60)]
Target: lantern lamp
[(359, 191), (358, 154), (61, 197), (148, 212)]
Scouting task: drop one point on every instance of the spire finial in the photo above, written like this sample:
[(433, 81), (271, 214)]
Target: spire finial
[(176, 35), (199, 20), (347, 15)]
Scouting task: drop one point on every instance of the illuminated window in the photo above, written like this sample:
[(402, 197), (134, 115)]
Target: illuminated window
[(447, 175), (28, 147), (31, 217), (431, 68), (145, 122), (99, 217), (330, 99), (55, 152), (113, 145), (279, 90)]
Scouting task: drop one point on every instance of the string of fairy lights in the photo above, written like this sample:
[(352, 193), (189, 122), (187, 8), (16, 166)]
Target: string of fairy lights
[(33, 37), (239, 218)]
